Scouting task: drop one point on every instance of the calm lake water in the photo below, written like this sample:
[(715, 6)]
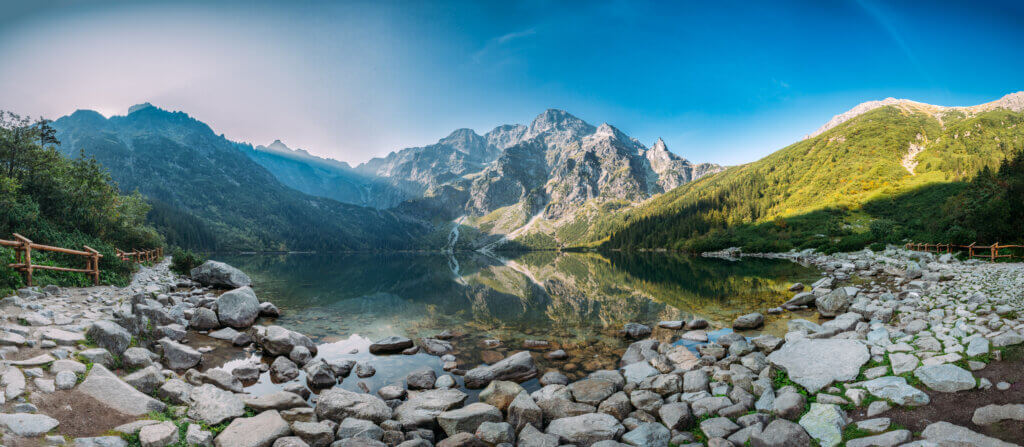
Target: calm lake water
[(576, 301)]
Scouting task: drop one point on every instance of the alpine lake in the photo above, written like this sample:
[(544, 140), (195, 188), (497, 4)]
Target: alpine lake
[(577, 302)]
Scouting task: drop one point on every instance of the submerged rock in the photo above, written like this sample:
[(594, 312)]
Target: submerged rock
[(517, 367)]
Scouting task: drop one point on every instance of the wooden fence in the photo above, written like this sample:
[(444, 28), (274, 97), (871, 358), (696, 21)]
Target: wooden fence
[(991, 252), (23, 248), (141, 255)]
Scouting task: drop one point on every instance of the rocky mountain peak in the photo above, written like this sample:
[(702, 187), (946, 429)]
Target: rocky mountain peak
[(463, 140), (556, 121), (138, 107), (659, 146), (278, 145)]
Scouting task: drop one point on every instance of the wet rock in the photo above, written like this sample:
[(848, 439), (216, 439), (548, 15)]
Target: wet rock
[(697, 323), (268, 309), (246, 372), (554, 378), (636, 331), (674, 325), (517, 367), (337, 404), (749, 321), (213, 405), (238, 308), (421, 378), (435, 346), (258, 431), (219, 274), (390, 345), (365, 369), (280, 341), (110, 336), (283, 370), (587, 429), (816, 363)]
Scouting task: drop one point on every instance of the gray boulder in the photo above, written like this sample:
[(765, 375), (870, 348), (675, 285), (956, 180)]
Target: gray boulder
[(896, 390), (178, 356), (277, 340), (648, 434), (337, 404), (219, 274), (467, 419), (203, 319), (110, 336), (422, 408), (943, 434), (587, 429), (946, 378), (816, 363), (749, 321), (238, 308), (833, 303), (213, 405), (108, 389), (389, 345), (781, 433)]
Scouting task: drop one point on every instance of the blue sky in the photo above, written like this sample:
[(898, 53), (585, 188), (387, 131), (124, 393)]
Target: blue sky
[(723, 81)]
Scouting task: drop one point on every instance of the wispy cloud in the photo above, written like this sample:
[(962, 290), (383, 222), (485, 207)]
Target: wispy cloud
[(500, 41)]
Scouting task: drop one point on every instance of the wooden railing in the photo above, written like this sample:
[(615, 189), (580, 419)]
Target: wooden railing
[(23, 258), (991, 252), (141, 256)]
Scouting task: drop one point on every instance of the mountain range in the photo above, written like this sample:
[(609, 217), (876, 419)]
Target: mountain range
[(557, 182)]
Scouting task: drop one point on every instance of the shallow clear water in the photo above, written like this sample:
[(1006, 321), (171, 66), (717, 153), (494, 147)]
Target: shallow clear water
[(576, 301)]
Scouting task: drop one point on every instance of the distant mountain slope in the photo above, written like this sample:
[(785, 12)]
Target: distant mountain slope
[(879, 151), (323, 177), (209, 194)]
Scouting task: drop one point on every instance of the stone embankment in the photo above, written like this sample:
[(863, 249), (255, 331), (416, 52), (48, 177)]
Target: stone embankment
[(116, 367)]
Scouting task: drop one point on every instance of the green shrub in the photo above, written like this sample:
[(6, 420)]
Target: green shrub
[(183, 261)]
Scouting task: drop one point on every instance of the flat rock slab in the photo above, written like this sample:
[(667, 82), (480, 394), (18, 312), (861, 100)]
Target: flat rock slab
[(38, 360), (897, 390), (28, 425), (944, 433), (946, 378), (814, 364), (108, 389)]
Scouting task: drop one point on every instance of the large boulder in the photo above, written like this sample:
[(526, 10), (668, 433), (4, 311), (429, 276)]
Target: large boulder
[(219, 274), (337, 404), (203, 319), (258, 431), (943, 433), (587, 429), (517, 367), (825, 423), (816, 363), (781, 433), (110, 336), (238, 308), (749, 321), (277, 340)]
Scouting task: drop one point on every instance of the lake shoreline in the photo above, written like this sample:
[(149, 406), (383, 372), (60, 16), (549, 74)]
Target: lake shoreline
[(659, 392)]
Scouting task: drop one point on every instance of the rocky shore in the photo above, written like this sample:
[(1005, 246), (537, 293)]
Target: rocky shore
[(131, 366)]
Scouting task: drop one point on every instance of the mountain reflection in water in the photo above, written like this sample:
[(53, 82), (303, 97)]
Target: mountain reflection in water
[(576, 301)]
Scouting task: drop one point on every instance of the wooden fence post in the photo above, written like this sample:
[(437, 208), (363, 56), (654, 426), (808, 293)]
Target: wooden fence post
[(26, 246), (995, 251), (94, 262)]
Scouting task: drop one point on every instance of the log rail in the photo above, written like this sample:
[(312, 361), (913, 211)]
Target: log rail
[(23, 248), (990, 252), (140, 256)]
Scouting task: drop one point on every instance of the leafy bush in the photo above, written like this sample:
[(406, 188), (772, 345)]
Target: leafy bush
[(183, 261)]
